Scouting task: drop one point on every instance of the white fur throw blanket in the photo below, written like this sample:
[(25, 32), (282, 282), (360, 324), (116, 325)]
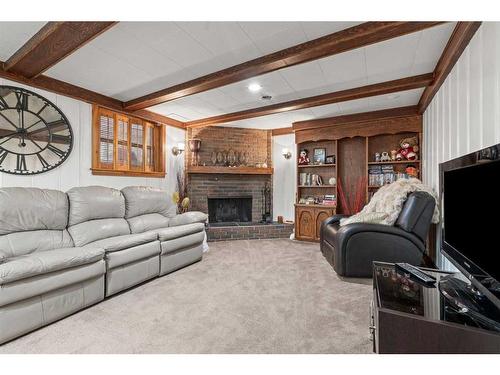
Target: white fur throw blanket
[(387, 203)]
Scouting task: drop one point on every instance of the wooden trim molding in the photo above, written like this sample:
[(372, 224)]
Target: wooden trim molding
[(281, 131), (63, 88), (356, 118), (52, 43), (459, 40), (382, 88), (229, 170), (345, 40)]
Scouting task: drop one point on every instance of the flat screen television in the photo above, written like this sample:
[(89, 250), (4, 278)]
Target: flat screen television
[(470, 227)]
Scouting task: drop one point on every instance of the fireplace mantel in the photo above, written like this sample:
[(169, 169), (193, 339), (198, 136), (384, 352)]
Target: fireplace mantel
[(229, 170)]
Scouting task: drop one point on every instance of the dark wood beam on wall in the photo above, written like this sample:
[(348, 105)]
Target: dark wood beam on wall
[(356, 118), (281, 131), (51, 44), (460, 38), (342, 41), (66, 89), (382, 88)]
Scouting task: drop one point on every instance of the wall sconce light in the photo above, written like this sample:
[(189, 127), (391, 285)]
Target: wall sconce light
[(286, 153), (179, 149)]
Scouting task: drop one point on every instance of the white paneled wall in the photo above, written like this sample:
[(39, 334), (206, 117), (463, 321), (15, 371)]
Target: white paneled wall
[(284, 178), (75, 171), (464, 116)]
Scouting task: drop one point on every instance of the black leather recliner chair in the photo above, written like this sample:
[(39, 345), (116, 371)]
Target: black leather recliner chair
[(353, 248)]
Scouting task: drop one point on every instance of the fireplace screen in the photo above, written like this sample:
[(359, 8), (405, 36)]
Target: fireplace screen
[(234, 209)]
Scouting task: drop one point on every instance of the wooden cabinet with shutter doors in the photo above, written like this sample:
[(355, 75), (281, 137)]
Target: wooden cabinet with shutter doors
[(126, 146)]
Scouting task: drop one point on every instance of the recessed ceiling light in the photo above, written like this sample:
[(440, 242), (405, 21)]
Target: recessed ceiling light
[(254, 87)]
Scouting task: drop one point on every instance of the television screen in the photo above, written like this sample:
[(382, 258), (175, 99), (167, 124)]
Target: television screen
[(471, 203)]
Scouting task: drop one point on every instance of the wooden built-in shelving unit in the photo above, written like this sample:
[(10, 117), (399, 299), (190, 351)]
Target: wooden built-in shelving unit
[(354, 145)]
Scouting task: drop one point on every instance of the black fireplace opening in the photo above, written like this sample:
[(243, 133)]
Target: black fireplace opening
[(230, 209)]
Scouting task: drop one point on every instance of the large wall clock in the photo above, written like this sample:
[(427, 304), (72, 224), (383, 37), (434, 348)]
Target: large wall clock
[(35, 136)]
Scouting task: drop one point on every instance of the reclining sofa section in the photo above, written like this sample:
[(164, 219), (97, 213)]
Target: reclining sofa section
[(60, 253)]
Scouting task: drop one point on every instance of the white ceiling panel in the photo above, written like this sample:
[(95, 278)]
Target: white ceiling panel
[(315, 30), (14, 35), (430, 47), (391, 59), (270, 37)]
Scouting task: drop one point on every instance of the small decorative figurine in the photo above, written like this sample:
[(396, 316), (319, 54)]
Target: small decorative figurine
[(411, 171), (408, 150), (393, 155), (304, 158), (377, 157), (385, 156)]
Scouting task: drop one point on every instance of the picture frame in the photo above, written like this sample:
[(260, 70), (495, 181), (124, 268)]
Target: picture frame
[(319, 155), (330, 159)]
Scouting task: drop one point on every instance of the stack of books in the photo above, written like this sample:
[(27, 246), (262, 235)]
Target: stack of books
[(330, 200)]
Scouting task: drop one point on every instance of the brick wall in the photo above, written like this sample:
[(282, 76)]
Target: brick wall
[(257, 143)]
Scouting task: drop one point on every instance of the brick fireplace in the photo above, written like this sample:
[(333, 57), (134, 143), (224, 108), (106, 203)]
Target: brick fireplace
[(206, 186)]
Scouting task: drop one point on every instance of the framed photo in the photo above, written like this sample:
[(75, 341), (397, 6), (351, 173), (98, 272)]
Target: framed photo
[(330, 159), (319, 155)]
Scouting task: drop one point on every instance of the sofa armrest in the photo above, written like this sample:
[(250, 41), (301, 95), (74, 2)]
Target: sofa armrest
[(335, 219), (188, 218), (358, 245)]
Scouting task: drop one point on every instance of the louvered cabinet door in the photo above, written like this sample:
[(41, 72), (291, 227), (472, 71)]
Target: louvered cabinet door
[(136, 145), (106, 140), (122, 143), (150, 161)]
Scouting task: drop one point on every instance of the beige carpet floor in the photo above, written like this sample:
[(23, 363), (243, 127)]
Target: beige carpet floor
[(267, 296)]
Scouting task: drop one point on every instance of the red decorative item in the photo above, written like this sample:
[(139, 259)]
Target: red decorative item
[(352, 207), (408, 150), (303, 157)]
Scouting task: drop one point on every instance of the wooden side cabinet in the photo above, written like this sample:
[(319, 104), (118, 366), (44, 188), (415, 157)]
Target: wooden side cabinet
[(308, 219)]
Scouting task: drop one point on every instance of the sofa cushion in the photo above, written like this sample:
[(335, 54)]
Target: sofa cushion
[(124, 242), (22, 243), (141, 200), (44, 262), (95, 230), (188, 218), (144, 223), (133, 254), (37, 285), (170, 233), (30, 209), (179, 243), (94, 202)]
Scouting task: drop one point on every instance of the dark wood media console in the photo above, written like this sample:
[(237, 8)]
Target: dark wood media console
[(408, 318)]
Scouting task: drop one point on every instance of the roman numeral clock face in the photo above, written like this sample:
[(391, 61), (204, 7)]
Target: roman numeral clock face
[(35, 136)]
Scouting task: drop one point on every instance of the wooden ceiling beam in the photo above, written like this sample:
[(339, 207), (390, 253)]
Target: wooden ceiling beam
[(52, 43), (382, 88), (356, 118), (342, 41), (66, 89), (459, 40)]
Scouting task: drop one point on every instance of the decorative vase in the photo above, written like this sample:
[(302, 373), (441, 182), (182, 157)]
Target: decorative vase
[(213, 158), (220, 158), (194, 147), (231, 157)]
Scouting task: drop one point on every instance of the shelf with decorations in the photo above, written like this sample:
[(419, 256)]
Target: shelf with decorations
[(390, 158)]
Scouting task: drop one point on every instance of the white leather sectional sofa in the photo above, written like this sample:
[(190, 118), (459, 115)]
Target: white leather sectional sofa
[(61, 252)]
